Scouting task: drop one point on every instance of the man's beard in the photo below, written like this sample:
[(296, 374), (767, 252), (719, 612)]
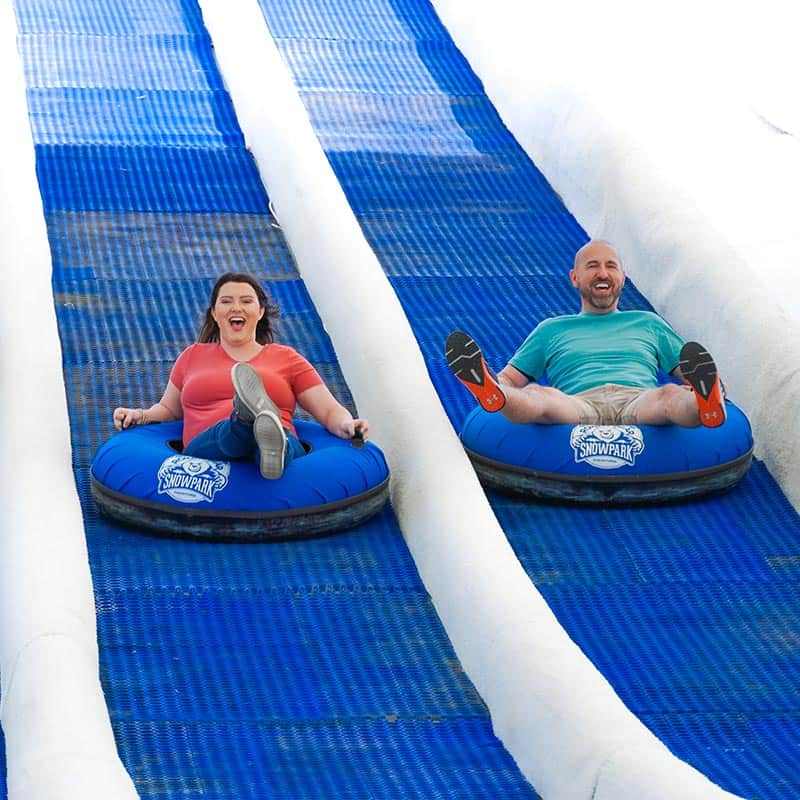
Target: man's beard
[(601, 303)]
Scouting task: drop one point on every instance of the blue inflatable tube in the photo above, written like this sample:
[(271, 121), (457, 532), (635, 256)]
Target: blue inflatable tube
[(139, 477), (608, 464)]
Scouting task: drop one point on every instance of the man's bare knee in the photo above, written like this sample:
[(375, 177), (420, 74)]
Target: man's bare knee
[(676, 405), (540, 404)]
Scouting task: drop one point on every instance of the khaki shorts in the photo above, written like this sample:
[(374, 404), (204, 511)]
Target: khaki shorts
[(610, 404)]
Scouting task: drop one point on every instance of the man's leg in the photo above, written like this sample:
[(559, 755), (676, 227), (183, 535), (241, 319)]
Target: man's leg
[(532, 403), (698, 368), (700, 403), (669, 404), (541, 404), (466, 362)]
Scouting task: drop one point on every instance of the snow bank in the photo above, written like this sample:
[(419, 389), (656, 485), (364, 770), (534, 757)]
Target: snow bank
[(57, 732)]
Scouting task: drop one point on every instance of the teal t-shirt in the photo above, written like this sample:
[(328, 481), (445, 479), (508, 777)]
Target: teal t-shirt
[(580, 351)]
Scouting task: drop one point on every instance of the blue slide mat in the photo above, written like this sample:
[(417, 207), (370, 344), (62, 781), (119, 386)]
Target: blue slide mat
[(690, 611), (232, 671)]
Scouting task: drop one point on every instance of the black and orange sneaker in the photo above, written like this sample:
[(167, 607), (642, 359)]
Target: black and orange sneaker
[(700, 371), (466, 362)]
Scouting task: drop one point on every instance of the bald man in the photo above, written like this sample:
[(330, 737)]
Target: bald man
[(602, 365)]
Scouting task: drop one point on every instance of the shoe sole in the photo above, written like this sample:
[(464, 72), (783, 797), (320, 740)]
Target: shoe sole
[(700, 371), (465, 360), (271, 441), (249, 388)]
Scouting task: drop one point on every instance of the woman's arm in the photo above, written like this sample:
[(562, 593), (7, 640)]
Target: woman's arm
[(329, 412), (168, 408)]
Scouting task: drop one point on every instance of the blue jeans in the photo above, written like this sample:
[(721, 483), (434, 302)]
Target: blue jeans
[(231, 439)]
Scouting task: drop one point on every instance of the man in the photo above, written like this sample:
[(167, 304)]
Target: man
[(601, 364)]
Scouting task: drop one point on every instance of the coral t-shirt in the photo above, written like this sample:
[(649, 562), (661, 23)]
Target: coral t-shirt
[(202, 373)]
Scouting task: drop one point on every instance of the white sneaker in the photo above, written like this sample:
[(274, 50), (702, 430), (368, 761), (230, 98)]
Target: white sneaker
[(252, 404), (249, 395), (271, 440)]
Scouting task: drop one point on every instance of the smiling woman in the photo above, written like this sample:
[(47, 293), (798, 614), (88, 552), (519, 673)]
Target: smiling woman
[(236, 390)]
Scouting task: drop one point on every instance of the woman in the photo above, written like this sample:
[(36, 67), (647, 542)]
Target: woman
[(236, 389)]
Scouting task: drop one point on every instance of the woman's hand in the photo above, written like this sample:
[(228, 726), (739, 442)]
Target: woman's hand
[(166, 409), (348, 427), (126, 417)]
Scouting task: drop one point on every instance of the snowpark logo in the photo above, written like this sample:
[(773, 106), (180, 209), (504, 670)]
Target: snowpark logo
[(606, 446), (192, 480)]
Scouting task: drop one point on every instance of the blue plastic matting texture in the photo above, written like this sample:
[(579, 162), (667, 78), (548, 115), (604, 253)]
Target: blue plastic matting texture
[(292, 670), (691, 611)]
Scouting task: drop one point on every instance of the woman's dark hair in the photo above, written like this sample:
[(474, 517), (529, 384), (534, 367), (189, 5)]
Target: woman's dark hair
[(265, 330)]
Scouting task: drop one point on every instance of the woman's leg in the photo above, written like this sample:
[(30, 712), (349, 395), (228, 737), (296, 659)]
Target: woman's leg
[(229, 439), (294, 449), (232, 439)]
